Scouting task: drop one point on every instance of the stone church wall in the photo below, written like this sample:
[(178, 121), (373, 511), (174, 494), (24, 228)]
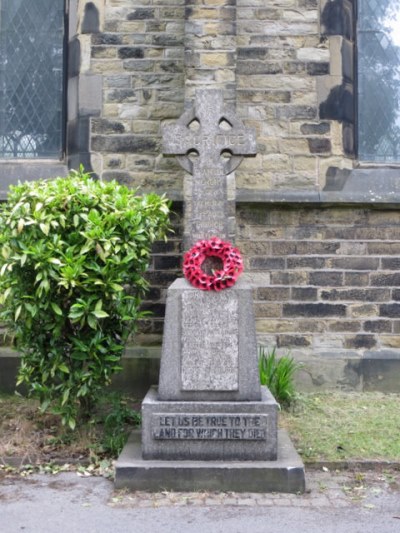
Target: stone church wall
[(320, 235)]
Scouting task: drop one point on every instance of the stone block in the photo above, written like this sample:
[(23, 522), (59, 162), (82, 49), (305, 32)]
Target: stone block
[(124, 143), (141, 13), (216, 59), (354, 263), (290, 341), (131, 52), (391, 263), (329, 372), (320, 55), (305, 262), (345, 326), (314, 310), (317, 69), (363, 311), (103, 52), (320, 128), (209, 430), (385, 280), (319, 146), (304, 293), (360, 342), (273, 293), (296, 112), (106, 66), (390, 310), (114, 162), (267, 263), (304, 163), (268, 310), (132, 26), (381, 371), (353, 295), (326, 278), (274, 326), (211, 365), (286, 474)]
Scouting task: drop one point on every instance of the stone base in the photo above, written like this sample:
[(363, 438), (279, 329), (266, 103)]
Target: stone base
[(209, 430), (286, 474)]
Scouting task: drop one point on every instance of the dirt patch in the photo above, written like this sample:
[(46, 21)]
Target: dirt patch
[(30, 437)]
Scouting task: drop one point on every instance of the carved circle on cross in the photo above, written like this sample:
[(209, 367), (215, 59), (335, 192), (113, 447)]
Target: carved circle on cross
[(230, 163)]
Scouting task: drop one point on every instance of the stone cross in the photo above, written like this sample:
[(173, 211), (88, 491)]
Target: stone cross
[(209, 142)]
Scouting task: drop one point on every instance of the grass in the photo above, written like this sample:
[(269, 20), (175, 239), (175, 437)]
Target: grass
[(327, 427), (277, 373), (341, 426)]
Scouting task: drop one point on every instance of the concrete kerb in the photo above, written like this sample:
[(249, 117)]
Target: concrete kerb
[(310, 467)]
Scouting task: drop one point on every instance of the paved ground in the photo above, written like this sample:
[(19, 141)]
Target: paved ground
[(339, 502)]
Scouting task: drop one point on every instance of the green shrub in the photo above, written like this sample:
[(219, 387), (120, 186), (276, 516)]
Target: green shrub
[(278, 374), (73, 254)]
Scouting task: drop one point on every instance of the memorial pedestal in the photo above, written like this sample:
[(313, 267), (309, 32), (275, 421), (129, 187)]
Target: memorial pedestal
[(210, 426)]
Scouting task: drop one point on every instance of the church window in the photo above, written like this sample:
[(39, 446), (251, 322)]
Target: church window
[(378, 65), (32, 43)]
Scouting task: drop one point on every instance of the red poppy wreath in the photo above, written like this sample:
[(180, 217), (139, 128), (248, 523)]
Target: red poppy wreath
[(227, 259)]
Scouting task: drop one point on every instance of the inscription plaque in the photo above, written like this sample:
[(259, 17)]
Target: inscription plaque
[(210, 357), (216, 426)]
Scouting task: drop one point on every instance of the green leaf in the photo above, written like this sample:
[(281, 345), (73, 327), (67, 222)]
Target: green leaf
[(21, 225), (75, 315), (63, 367), (6, 293), (116, 287), (5, 252), (44, 405), (100, 314), (100, 252), (32, 309), (17, 312), (55, 261), (65, 396), (78, 356), (45, 228), (92, 322), (56, 309)]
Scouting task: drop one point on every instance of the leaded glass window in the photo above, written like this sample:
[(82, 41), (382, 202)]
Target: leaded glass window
[(31, 78), (378, 56)]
